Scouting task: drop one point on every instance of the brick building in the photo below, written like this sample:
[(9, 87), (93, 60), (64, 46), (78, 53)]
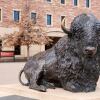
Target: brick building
[(51, 11)]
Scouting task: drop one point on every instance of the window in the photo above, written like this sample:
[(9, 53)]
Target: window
[(0, 15), (62, 1), (16, 15), (75, 2), (48, 0), (33, 17), (17, 50), (62, 17), (49, 18), (87, 3)]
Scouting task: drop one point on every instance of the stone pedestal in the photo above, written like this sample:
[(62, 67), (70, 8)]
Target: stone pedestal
[(51, 94)]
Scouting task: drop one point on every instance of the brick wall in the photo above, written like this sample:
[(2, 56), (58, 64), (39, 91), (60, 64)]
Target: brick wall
[(41, 7)]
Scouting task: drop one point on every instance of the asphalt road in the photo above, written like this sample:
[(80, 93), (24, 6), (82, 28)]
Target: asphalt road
[(9, 72)]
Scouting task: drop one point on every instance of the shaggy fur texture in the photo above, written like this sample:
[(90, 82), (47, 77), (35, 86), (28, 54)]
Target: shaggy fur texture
[(68, 63)]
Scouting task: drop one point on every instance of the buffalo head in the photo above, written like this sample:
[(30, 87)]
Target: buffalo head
[(84, 33)]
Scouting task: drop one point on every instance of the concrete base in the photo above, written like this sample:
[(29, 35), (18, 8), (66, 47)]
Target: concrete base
[(51, 94), (9, 75)]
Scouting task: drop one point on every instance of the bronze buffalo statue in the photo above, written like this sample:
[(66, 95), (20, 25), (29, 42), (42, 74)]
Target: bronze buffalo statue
[(72, 63)]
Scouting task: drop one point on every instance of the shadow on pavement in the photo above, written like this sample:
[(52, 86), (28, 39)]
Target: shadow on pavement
[(15, 97)]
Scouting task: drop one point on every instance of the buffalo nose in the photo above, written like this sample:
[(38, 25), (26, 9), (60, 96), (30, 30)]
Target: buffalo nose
[(90, 51)]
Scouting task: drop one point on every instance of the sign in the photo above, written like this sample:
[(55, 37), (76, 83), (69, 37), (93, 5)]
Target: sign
[(6, 54)]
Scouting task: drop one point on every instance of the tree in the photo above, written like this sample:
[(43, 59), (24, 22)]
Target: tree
[(30, 32)]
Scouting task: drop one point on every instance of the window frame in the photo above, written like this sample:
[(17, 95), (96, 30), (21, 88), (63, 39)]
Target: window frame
[(49, 1), (65, 19), (19, 14), (63, 3), (89, 4), (61, 17), (31, 16), (51, 19), (77, 3)]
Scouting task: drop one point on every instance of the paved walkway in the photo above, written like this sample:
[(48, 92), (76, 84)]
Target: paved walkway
[(9, 72), (51, 94), (10, 89)]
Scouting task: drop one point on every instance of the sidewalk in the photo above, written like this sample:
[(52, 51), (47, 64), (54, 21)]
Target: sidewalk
[(9, 72), (51, 94)]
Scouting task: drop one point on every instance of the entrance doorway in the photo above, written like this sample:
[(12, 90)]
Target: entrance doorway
[(17, 50), (0, 45)]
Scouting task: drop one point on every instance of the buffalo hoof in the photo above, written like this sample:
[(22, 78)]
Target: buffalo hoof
[(43, 88), (73, 87), (39, 88)]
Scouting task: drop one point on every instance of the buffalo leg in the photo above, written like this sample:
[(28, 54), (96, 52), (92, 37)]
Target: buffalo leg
[(33, 84), (72, 86), (48, 84)]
